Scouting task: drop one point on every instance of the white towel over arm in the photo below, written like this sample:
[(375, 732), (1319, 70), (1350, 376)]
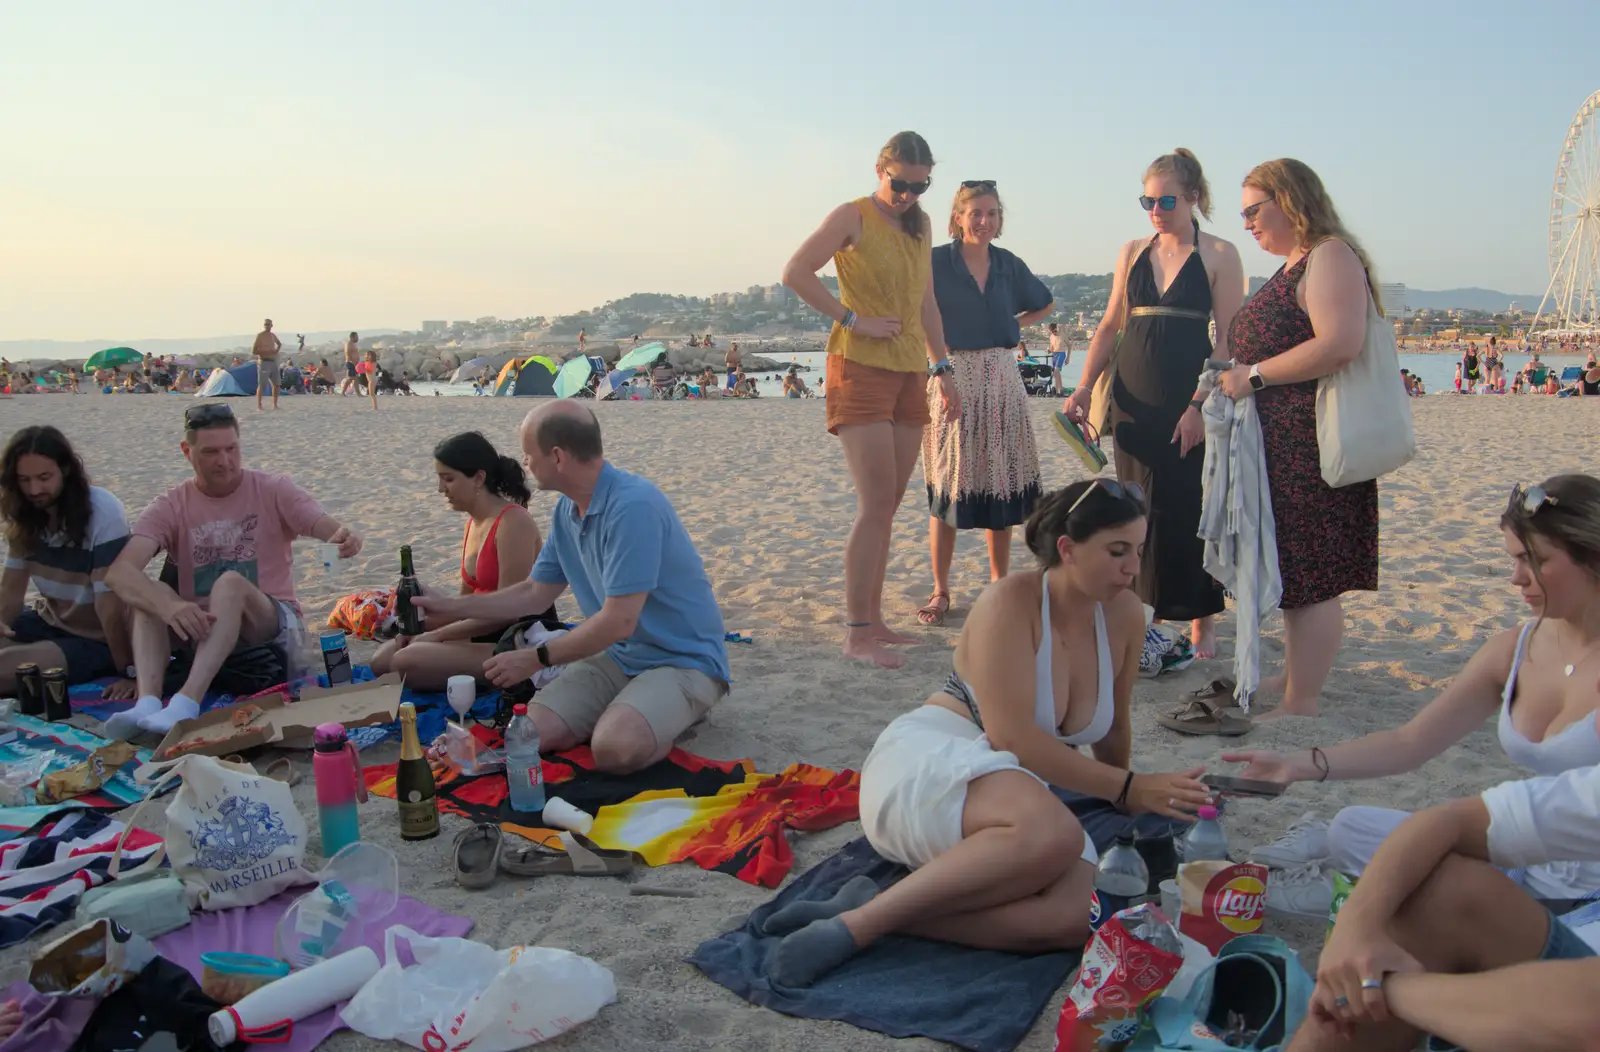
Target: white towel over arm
[(1236, 524)]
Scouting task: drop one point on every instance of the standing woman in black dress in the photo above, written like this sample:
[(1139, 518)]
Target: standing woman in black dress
[(1171, 287)]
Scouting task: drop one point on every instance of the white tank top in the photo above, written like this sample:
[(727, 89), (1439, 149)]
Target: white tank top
[(1577, 745)]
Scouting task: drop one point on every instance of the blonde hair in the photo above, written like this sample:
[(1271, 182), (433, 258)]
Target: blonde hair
[(965, 194), (908, 147), (1297, 190), (1182, 165)]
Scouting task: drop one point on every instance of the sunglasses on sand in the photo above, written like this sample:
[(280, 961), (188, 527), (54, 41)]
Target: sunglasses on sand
[(197, 417), (1167, 202), (1529, 499), (1114, 489), (901, 186)]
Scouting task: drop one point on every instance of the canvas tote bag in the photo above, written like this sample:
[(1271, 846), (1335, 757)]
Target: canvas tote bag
[(1363, 412), (1100, 399)]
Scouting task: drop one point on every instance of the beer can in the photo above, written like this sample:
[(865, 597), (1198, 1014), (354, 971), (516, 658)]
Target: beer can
[(30, 691), (57, 706), (335, 658)]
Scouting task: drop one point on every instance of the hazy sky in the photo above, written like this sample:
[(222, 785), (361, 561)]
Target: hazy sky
[(183, 169)]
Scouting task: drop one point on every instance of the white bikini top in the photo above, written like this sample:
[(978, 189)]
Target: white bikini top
[(1577, 745), (1044, 699)]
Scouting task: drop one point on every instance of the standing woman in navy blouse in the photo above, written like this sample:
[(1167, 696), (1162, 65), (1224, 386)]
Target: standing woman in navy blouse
[(982, 469)]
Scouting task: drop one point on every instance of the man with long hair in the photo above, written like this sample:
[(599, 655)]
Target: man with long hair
[(62, 534), (225, 606)]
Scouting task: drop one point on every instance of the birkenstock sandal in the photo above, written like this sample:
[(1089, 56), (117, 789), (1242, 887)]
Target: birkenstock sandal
[(1203, 717), (582, 858), (477, 855)]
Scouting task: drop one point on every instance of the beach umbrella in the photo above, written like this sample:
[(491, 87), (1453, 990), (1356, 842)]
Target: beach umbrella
[(641, 357), (573, 377), (469, 370), (111, 358)]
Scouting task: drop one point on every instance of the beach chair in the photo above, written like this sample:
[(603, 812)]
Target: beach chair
[(1537, 376)]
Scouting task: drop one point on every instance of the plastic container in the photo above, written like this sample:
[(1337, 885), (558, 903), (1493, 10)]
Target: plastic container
[(274, 1010), (356, 892), (1205, 840), (231, 977), (524, 769), (1120, 880)]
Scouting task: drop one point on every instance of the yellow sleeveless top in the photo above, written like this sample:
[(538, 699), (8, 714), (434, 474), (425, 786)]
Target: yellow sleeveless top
[(885, 275)]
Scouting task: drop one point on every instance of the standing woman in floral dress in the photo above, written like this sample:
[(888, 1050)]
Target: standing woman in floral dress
[(1308, 321), (982, 469)]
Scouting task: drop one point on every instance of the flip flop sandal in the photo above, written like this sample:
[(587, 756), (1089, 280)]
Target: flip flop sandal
[(1084, 440), (477, 855), (1202, 717), (932, 614), (1217, 688), (582, 858), (283, 770)]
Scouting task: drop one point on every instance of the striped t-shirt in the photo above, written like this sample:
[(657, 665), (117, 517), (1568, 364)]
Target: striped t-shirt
[(68, 577)]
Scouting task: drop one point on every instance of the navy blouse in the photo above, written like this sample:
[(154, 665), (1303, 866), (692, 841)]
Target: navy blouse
[(973, 320)]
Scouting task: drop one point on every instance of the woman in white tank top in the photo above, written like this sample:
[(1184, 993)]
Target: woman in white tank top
[(958, 789), (1540, 680)]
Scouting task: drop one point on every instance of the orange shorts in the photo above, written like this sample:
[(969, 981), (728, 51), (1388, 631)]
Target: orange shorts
[(865, 394)]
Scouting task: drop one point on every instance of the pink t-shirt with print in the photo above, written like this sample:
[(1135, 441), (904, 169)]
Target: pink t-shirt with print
[(251, 532)]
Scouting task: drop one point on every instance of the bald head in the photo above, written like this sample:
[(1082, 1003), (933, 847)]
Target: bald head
[(566, 425)]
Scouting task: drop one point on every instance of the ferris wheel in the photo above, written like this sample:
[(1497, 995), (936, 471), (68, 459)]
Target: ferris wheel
[(1572, 300)]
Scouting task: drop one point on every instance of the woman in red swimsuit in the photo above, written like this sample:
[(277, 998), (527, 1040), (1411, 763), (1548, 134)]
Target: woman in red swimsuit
[(498, 550)]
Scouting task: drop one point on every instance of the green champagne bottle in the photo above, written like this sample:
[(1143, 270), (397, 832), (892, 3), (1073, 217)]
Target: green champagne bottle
[(410, 620), (413, 782)]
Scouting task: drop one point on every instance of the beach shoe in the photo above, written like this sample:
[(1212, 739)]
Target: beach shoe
[(477, 855), (1083, 441), (582, 858), (1304, 842), (1203, 717), (1305, 891)]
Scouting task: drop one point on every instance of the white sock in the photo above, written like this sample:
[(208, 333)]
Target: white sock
[(181, 707), (125, 724)]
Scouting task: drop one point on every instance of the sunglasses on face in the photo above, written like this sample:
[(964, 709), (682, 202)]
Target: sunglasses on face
[(1114, 489), (978, 184), (1167, 202), (1249, 214), (197, 417), (1529, 499), (901, 186)]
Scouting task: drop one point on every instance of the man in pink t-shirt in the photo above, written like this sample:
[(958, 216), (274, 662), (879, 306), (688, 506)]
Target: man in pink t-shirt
[(226, 597)]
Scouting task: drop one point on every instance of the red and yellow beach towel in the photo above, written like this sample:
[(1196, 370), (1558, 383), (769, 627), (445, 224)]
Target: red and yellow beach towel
[(720, 815)]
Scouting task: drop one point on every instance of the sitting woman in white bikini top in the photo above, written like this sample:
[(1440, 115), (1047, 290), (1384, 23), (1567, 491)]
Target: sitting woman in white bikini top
[(1541, 680)]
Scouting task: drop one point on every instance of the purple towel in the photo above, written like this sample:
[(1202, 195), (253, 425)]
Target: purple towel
[(49, 1024), (250, 929)]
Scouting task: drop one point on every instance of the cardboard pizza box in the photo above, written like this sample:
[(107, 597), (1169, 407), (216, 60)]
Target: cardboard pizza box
[(279, 721)]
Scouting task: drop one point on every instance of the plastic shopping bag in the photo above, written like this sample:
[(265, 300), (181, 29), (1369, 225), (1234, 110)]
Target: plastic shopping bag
[(464, 995)]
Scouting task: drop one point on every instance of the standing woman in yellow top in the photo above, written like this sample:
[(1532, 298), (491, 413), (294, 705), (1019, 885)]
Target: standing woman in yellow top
[(886, 342)]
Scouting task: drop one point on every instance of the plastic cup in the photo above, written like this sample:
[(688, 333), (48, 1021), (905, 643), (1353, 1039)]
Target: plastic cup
[(562, 815), (329, 555), (1171, 900)]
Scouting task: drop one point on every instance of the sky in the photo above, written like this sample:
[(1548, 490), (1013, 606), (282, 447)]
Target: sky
[(185, 169)]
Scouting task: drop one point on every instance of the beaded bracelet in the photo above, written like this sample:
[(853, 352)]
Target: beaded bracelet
[(849, 321)]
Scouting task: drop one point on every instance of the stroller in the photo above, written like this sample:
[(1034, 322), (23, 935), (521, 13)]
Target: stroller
[(1035, 376)]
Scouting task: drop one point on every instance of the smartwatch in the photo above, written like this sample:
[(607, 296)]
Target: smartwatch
[(1257, 381), (544, 654)]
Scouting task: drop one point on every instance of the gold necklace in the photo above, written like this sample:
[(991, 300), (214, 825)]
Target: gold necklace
[(1573, 666)]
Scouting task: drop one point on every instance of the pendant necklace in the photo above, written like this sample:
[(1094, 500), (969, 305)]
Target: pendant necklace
[(1573, 666)]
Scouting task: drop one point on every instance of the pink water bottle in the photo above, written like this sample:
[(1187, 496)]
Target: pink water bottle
[(337, 769)]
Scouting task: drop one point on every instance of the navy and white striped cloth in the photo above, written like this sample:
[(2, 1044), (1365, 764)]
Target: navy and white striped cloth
[(44, 872)]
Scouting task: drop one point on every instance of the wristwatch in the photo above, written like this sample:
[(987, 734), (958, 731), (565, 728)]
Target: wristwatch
[(543, 654), (1257, 381)]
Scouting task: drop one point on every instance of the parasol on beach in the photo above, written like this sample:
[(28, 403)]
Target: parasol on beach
[(641, 357), (112, 357), (469, 370), (573, 377)]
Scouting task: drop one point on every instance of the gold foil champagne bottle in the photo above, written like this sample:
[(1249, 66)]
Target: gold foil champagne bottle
[(413, 782)]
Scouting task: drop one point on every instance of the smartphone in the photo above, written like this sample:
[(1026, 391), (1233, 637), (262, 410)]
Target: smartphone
[(1241, 786)]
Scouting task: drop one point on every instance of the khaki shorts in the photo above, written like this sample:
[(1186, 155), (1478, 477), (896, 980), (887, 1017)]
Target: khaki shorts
[(865, 394), (670, 699), (267, 374)]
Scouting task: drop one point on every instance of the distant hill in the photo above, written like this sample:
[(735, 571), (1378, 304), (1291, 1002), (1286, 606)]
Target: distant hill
[(76, 350), (1453, 299)]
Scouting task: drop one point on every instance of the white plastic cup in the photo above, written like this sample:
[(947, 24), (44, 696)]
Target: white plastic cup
[(562, 815), (329, 555), (461, 692), (1171, 900)]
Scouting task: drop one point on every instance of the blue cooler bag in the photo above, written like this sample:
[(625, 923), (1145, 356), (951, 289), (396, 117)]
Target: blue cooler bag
[(1256, 985)]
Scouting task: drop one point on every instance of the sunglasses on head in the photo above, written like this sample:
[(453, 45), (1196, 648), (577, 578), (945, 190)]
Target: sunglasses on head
[(1249, 214), (1167, 202), (901, 186), (1114, 489), (978, 184), (1529, 499), (201, 416)]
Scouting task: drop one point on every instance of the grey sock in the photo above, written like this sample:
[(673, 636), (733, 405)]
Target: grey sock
[(857, 891), (807, 955)]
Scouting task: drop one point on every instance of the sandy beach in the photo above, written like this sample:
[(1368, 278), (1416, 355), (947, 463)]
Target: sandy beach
[(763, 490)]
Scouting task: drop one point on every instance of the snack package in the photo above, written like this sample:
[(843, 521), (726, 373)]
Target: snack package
[(1128, 962), (1221, 900), (87, 776), (94, 961), (1342, 886)]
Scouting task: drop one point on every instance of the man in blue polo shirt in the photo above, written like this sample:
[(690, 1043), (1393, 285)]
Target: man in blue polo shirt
[(649, 659)]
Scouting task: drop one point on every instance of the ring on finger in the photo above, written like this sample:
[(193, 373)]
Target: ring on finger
[(1341, 1001), (1372, 984)]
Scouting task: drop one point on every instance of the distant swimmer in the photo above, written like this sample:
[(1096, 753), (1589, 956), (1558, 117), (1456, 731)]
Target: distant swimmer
[(731, 359)]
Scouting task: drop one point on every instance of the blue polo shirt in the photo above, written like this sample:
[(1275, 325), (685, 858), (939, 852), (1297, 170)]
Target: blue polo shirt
[(976, 321), (631, 541)]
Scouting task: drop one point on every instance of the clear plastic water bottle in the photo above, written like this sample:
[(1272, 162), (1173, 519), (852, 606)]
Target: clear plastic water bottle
[(1206, 840), (524, 773), (1121, 880)]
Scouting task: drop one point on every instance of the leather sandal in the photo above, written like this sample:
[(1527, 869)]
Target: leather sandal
[(1205, 717), (477, 855), (582, 858), (932, 613)]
